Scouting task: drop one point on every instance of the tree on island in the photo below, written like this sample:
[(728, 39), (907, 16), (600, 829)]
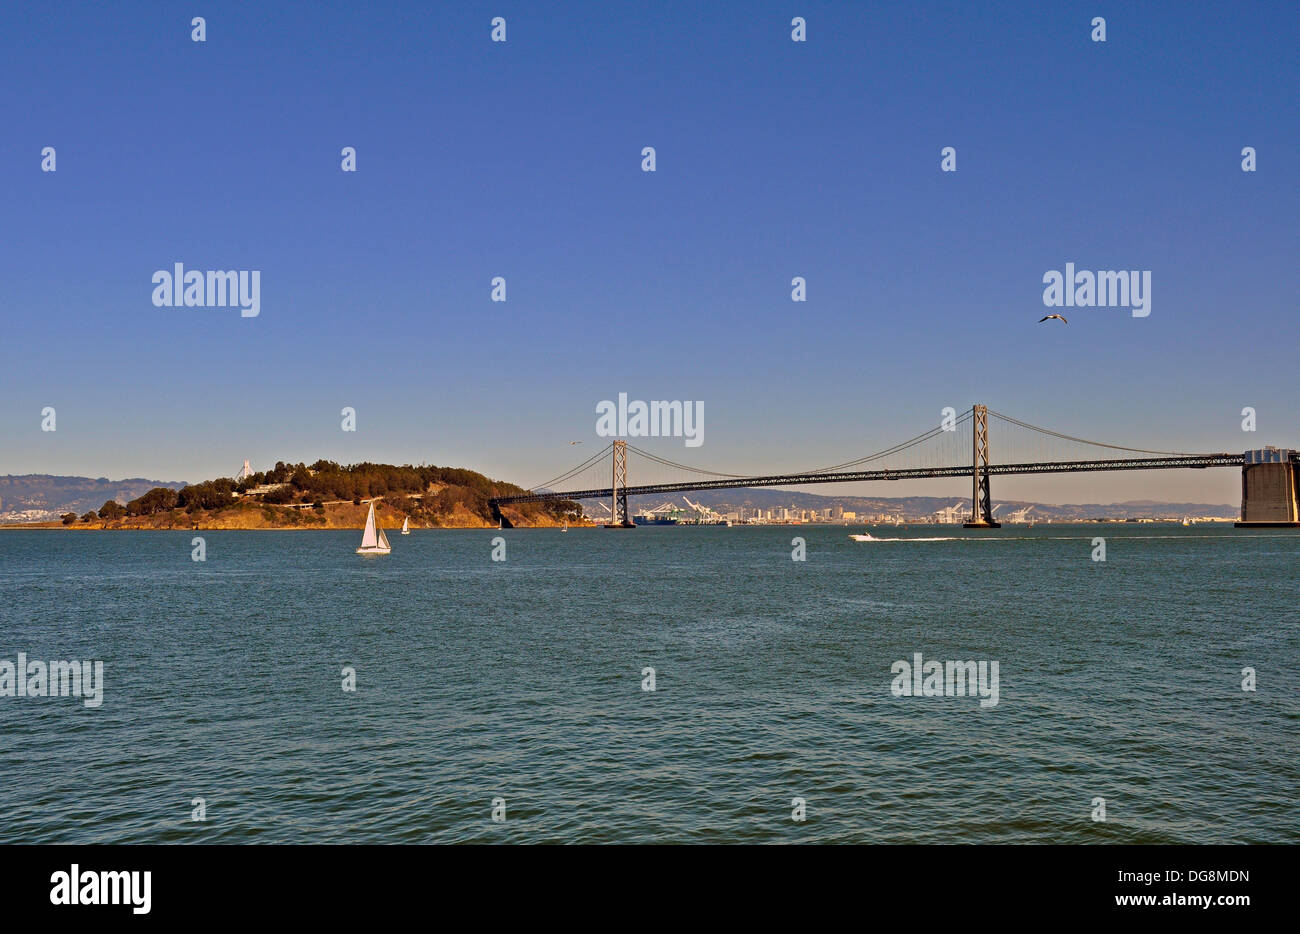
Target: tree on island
[(280, 497), (210, 494), (425, 492), (159, 499)]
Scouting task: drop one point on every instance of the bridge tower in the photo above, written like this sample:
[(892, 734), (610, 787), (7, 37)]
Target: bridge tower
[(619, 518), (1270, 489), (981, 501)]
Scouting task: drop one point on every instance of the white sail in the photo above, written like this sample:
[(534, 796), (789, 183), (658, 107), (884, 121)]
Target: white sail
[(373, 540), (406, 526), (368, 538)]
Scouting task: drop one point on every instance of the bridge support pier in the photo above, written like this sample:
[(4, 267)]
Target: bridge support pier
[(981, 501), (1270, 490)]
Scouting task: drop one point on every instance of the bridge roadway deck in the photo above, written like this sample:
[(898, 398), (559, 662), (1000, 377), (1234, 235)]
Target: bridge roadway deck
[(1195, 461)]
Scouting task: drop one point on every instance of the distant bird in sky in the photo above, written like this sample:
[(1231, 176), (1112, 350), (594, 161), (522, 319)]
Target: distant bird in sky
[(1050, 317), (575, 442)]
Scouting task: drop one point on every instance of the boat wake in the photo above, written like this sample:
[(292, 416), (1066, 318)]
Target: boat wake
[(872, 538)]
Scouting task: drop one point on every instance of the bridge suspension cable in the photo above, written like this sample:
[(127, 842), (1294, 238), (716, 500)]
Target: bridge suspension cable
[(596, 463), (1019, 443), (898, 448), (589, 462), (667, 463), (1100, 444)]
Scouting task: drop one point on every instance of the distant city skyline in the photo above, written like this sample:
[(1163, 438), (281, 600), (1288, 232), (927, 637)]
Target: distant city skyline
[(523, 160)]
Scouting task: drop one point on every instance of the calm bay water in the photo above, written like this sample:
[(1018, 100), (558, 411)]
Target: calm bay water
[(522, 680)]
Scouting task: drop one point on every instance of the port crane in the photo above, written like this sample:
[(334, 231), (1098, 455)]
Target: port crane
[(704, 511), (949, 514)]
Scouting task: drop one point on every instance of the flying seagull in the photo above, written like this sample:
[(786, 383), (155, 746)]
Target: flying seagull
[(575, 442), (1050, 317)]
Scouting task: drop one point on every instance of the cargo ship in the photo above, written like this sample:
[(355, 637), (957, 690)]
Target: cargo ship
[(667, 514), (648, 518)]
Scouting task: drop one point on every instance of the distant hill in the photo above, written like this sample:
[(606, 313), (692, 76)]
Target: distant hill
[(40, 497), (920, 507)]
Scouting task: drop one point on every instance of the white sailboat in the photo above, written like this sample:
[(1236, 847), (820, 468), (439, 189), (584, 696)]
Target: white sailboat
[(406, 526), (373, 540)]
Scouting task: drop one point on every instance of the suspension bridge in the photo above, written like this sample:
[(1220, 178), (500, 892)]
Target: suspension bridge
[(958, 447)]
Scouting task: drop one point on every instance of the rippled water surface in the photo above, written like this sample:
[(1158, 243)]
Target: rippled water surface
[(522, 680)]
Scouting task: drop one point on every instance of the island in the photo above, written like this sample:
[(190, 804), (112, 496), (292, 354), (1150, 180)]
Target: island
[(326, 495)]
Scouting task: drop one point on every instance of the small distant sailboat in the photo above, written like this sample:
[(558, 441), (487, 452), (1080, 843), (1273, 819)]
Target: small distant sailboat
[(373, 540), (406, 526), (566, 526)]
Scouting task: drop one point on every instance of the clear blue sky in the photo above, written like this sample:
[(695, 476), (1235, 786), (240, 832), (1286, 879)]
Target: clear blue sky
[(775, 159)]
